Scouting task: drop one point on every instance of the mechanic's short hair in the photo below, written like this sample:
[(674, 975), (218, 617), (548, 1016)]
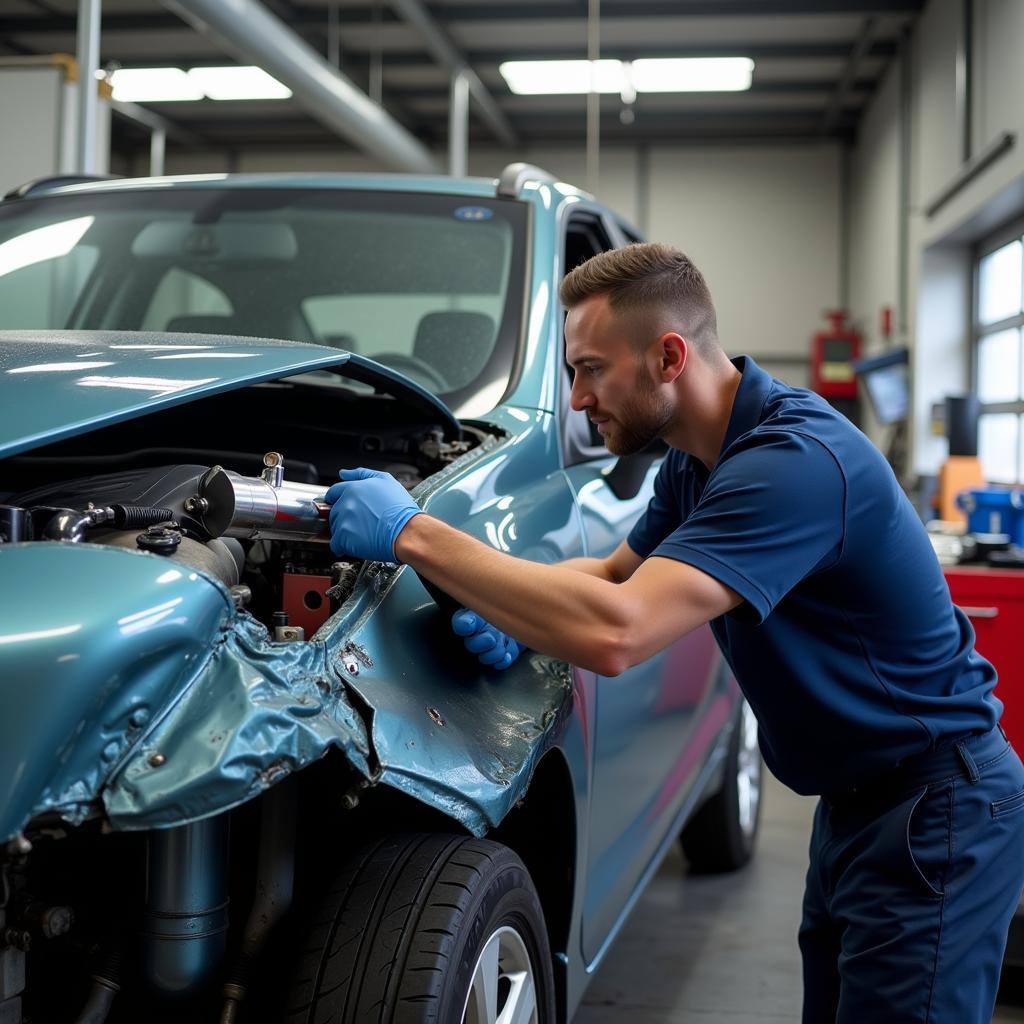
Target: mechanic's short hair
[(649, 278)]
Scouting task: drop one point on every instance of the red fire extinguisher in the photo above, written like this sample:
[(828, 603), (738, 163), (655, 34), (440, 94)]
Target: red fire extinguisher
[(833, 353)]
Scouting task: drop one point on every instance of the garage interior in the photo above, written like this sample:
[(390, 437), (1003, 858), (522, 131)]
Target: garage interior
[(874, 166)]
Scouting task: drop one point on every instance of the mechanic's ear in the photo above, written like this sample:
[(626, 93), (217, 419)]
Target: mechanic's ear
[(672, 357)]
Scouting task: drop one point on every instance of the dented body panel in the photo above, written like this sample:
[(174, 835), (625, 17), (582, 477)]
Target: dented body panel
[(183, 708)]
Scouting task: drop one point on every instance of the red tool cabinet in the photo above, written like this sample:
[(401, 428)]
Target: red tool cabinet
[(993, 599)]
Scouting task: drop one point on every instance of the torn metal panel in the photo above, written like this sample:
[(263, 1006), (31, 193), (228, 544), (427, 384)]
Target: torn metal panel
[(258, 711), (458, 736)]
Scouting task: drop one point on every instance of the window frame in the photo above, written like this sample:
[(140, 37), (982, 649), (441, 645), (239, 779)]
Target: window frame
[(1013, 231), (580, 440)]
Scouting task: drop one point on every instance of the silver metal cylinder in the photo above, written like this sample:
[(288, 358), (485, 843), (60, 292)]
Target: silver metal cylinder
[(186, 919), (231, 505)]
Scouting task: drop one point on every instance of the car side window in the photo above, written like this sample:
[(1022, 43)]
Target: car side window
[(585, 236), (629, 233)]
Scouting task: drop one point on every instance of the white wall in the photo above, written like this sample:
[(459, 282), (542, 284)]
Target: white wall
[(760, 221), (762, 224), (939, 260), (38, 111)]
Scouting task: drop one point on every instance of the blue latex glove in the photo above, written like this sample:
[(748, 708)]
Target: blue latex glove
[(487, 642), (368, 511)]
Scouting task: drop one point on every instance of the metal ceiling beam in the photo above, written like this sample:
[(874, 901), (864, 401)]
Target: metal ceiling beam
[(448, 54), (547, 10), (757, 51), (671, 121), (251, 34), (630, 10), (153, 122)]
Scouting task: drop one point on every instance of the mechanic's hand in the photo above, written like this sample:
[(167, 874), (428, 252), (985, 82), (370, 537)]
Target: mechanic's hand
[(487, 642), (368, 511)]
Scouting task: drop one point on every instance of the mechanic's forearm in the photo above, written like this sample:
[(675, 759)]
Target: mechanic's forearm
[(591, 566), (560, 612)]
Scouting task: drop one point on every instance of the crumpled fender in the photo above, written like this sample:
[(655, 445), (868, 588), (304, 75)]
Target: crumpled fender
[(258, 711), (463, 740), (86, 667)]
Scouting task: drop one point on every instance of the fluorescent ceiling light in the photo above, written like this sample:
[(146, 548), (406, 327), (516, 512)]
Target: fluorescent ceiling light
[(547, 77), (154, 85), (238, 83), (173, 85), (661, 74), (691, 74)]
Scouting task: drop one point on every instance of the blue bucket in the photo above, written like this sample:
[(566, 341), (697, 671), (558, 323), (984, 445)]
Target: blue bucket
[(994, 510)]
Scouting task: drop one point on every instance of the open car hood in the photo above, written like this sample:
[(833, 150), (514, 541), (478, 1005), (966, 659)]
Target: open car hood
[(56, 384)]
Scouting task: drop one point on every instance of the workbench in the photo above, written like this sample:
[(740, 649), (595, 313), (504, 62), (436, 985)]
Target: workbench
[(993, 599)]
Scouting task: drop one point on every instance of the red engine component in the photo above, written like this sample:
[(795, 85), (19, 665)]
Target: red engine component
[(305, 600), (833, 353)]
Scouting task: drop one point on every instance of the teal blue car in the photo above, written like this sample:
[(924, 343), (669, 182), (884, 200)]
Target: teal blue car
[(242, 779)]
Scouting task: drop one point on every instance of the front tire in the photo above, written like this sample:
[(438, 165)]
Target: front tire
[(721, 836), (427, 928)]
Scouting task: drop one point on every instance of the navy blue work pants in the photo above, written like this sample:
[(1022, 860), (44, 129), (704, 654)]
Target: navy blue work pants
[(911, 888)]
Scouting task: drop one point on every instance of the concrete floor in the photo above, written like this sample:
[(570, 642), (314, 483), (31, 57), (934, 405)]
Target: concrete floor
[(718, 950)]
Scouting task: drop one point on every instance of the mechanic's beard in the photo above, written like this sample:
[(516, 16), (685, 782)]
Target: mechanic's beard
[(645, 416)]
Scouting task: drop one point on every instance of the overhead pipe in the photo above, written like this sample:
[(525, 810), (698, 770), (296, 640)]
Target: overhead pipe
[(449, 55), (251, 34)]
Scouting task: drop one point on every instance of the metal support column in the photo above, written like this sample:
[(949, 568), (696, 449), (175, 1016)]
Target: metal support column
[(458, 126), (88, 62), (157, 148), (593, 97)]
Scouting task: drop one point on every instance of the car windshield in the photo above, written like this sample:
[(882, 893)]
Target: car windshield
[(428, 284)]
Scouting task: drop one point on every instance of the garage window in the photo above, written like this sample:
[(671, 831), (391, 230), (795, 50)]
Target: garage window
[(999, 354)]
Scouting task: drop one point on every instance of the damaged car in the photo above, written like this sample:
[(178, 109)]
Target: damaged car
[(242, 779)]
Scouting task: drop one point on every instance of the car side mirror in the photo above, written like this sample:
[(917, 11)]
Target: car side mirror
[(626, 475)]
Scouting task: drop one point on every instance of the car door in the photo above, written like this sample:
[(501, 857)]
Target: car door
[(647, 749)]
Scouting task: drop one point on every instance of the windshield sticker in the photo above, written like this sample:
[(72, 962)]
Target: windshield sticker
[(474, 213)]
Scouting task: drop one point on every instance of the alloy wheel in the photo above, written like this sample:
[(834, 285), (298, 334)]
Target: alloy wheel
[(748, 771), (502, 990)]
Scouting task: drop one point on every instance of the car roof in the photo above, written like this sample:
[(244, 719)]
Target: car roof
[(378, 182)]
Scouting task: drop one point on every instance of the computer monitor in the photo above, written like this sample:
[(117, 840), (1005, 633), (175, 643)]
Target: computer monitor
[(886, 381)]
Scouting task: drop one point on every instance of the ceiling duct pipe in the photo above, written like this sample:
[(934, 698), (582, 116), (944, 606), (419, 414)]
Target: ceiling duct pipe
[(448, 55), (250, 33)]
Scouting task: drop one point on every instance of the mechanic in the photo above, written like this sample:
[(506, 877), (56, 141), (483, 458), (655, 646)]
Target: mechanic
[(776, 520)]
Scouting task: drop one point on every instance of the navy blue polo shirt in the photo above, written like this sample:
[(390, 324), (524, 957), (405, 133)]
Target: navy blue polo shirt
[(846, 644)]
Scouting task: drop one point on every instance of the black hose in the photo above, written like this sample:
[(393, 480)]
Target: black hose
[(130, 517), (101, 996)]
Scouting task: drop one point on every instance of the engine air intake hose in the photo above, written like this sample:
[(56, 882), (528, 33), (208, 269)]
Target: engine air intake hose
[(130, 517)]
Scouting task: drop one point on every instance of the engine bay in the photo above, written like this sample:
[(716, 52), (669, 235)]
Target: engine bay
[(206, 485)]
